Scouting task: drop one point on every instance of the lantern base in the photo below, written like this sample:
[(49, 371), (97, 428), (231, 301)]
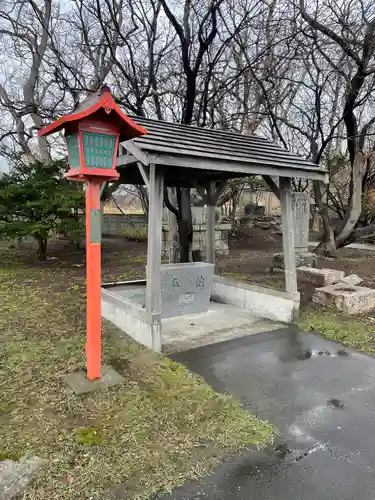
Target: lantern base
[(98, 174), (80, 384)]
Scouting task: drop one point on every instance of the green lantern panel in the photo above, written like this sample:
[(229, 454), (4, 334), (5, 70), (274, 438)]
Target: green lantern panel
[(73, 149), (98, 150)]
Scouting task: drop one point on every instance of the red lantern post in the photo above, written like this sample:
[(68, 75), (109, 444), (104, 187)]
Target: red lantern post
[(93, 280), (93, 132)]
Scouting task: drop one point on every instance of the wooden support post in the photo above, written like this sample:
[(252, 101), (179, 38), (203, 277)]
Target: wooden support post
[(211, 223), (144, 175), (93, 280), (288, 234), (155, 221)]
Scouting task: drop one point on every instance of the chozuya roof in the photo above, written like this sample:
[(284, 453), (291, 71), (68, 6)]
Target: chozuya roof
[(97, 105), (173, 144)]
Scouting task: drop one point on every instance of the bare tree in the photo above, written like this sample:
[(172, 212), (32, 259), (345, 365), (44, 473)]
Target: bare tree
[(303, 76), (350, 35), (204, 41), (25, 92)]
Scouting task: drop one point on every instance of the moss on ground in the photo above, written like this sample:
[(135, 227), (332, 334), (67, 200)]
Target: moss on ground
[(88, 436), (236, 276), (162, 426), (357, 331)]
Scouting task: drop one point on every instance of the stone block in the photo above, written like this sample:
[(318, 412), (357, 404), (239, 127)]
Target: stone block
[(301, 216), (185, 288), (198, 215), (15, 476), (220, 245), (352, 280), (319, 277), (200, 239), (346, 298), (307, 259)]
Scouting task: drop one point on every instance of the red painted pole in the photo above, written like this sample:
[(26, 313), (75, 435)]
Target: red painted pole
[(93, 279)]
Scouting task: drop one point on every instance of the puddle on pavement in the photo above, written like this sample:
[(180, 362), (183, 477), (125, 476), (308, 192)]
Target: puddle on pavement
[(309, 353), (306, 453), (286, 452), (297, 348), (336, 403)]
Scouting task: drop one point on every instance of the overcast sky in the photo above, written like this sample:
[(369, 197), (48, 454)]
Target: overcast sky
[(3, 165)]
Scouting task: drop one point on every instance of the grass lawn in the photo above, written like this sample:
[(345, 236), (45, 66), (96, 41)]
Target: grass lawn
[(353, 331), (162, 426)]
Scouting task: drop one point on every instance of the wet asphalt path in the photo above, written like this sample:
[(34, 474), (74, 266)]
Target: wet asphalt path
[(320, 396)]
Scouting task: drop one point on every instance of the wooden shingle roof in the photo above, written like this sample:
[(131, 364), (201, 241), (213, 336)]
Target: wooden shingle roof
[(218, 153)]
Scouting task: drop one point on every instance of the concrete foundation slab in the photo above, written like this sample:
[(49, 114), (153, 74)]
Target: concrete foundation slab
[(122, 306), (134, 292), (221, 322), (319, 277), (307, 259), (346, 298), (80, 384), (262, 302), (236, 309)]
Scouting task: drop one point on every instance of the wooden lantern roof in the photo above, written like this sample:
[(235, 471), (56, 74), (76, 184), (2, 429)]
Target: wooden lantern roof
[(99, 106)]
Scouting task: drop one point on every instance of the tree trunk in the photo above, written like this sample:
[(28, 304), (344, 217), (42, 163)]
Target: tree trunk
[(355, 202), (42, 248), (328, 245), (185, 224), (234, 210), (332, 242)]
